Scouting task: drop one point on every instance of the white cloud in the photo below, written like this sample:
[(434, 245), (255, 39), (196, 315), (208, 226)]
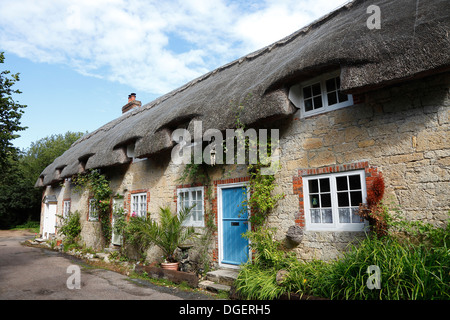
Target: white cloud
[(138, 42)]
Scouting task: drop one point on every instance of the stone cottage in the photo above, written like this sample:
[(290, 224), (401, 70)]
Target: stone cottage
[(352, 98)]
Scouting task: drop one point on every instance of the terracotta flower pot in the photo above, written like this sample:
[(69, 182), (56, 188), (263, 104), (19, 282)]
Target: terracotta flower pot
[(170, 266)]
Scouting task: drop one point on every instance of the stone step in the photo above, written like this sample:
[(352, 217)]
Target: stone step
[(213, 287), (223, 276)]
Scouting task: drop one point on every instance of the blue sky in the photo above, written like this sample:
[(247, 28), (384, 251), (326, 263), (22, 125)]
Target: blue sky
[(79, 60)]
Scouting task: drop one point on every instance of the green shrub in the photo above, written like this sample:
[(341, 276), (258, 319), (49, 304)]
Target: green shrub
[(71, 227), (410, 269), (407, 272), (33, 226), (168, 234)]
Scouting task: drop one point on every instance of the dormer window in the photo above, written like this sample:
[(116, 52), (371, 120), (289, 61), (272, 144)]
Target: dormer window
[(131, 154), (318, 95)]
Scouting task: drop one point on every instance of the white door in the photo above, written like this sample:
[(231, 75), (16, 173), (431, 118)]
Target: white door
[(49, 220), (116, 239)]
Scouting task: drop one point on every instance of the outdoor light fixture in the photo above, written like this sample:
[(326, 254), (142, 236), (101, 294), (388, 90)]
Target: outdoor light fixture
[(213, 155)]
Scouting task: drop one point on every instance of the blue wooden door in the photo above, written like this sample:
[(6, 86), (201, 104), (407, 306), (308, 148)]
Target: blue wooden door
[(234, 224)]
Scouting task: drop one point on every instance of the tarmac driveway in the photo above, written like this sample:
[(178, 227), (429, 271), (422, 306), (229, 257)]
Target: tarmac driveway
[(35, 273)]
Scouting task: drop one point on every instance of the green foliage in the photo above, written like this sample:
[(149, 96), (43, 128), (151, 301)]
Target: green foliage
[(98, 185), (10, 114), (262, 199), (410, 269), (44, 151), (268, 252), (120, 221), (136, 234), (167, 234), (19, 200), (71, 228), (33, 226)]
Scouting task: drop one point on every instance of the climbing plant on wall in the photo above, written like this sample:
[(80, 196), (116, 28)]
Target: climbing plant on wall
[(262, 198), (98, 185)]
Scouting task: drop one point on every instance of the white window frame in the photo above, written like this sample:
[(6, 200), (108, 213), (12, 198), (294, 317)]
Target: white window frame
[(139, 204), (66, 208), (335, 225), (93, 214), (296, 96), (190, 222)]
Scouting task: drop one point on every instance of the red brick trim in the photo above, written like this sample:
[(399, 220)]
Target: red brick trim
[(371, 173)]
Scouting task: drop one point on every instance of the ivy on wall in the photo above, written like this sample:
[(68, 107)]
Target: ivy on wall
[(98, 185)]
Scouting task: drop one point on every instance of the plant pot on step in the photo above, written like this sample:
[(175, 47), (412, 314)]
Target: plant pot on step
[(170, 265)]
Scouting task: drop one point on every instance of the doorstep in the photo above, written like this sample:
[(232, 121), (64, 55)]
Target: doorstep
[(219, 280)]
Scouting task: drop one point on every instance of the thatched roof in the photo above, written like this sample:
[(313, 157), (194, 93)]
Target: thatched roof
[(413, 41)]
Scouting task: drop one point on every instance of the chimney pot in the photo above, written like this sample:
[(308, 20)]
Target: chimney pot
[(131, 97), (132, 103)]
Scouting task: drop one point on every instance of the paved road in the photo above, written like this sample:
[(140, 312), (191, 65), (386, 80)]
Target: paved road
[(35, 273)]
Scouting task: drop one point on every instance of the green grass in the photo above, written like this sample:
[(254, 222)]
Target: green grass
[(410, 270), (32, 226)]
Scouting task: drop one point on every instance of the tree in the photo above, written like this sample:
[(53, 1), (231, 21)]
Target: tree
[(17, 196), (44, 151), (10, 114), (19, 200)]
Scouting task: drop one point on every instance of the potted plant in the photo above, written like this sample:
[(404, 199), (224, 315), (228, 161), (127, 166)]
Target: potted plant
[(168, 233)]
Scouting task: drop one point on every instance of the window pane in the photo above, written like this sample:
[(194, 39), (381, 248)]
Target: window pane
[(315, 215), (332, 98), (355, 182), (316, 89), (185, 197), (307, 92), (356, 218), (331, 85), (341, 183), (325, 185), (308, 105), (356, 198), (344, 215), (318, 102), (343, 199), (325, 200), (314, 201), (313, 186), (342, 97), (327, 216)]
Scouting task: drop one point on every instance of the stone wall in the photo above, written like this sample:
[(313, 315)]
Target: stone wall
[(401, 131)]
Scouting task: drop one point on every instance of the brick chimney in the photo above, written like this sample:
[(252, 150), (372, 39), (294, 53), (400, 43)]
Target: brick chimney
[(132, 103)]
